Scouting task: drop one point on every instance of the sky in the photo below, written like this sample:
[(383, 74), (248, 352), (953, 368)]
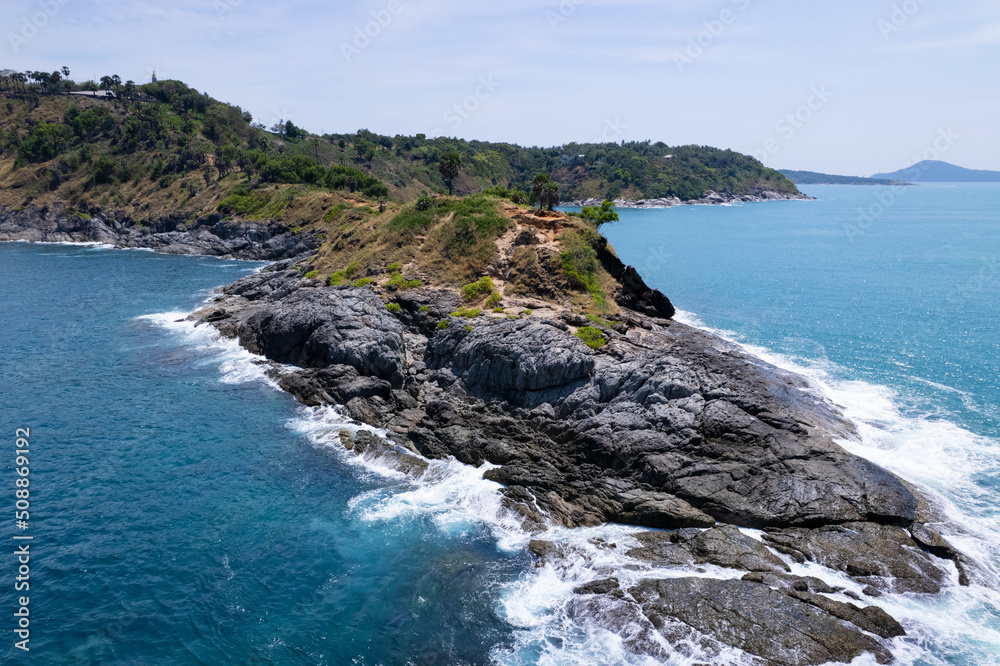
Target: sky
[(850, 87)]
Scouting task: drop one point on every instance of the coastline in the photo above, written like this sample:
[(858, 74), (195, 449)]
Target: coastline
[(369, 390), (757, 195)]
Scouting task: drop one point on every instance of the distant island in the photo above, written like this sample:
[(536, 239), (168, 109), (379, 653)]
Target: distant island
[(816, 178), (935, 171)]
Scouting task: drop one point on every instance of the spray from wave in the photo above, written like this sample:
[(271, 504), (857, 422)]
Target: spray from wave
[(555, 627)]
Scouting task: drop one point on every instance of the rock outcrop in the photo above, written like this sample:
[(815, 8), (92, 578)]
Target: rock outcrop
[(664, 427), (212, 235)]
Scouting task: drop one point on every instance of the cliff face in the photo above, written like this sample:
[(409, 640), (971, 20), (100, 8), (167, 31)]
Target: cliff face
[(662, 426)]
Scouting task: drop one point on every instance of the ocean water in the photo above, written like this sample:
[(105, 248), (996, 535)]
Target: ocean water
[(185, 511)]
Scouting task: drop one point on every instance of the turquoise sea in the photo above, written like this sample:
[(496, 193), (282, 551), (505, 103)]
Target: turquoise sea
[(185, 511)]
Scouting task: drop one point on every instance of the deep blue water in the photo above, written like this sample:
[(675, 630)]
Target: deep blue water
[(178, 519), (891, 298), (185, 511)]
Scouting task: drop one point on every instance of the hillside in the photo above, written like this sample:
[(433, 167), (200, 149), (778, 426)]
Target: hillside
[(166, 148), (934, 171), (816, 178)]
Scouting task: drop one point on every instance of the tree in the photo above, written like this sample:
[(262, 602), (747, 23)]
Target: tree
[(315, 144), (291, 131), (544, 192), (601, 215), (550, 194), (449, 166), (365, 150)]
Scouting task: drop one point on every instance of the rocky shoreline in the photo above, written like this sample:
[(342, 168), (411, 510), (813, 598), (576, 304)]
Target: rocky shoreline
[(709, 199), (664, 427), (211, 235)]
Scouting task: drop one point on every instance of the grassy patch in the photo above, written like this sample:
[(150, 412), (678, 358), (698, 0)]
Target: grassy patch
[(336, 279), (394, 308), (494, 300), (312, 275), (363, 282), (442, 325), (579, 264), (477, 289), (592, 337), (335, 211), (468, 313)]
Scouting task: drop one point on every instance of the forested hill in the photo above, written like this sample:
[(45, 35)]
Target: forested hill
[(165, 146)]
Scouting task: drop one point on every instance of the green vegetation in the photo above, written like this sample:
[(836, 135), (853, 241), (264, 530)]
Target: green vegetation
[(498, 310), (399, 282), (544, 191), (579, 264), (468, 313), (592, 337), (394, 308), (526, 313), (312, 275), (363, 282), (514, 195), (494, 300), (396, 279), (449, 167), (162, 148), (424, 308), (601, 215), (442, 325), (477, 289)]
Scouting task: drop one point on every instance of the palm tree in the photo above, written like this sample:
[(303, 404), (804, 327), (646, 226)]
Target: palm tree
[(449, 166), (538, 189)]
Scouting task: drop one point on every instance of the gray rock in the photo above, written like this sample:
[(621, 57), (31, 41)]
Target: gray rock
[(723, 546), (882, 556), (171, 235), (756, 619)]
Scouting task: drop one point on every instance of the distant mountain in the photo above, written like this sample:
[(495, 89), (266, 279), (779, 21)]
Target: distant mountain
[(815, 178), (933, 171)]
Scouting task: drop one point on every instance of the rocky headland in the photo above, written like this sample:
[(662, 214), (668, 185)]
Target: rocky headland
[(627, 417)]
